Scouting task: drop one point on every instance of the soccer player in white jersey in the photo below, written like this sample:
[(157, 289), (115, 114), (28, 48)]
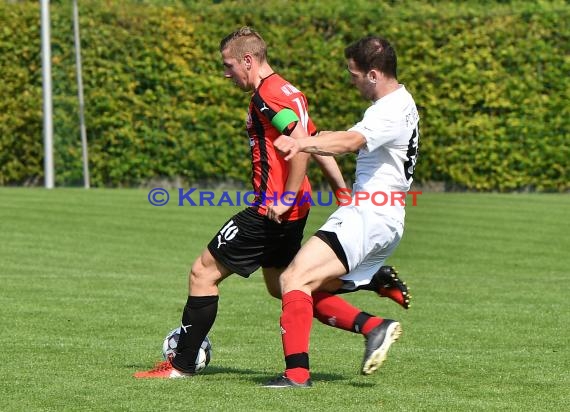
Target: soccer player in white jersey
[(359, 236)]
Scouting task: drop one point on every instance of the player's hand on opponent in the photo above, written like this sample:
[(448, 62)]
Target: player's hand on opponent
[(287, 146), (274, 212)]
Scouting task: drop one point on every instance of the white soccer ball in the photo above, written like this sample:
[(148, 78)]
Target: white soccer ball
[(171, 342)]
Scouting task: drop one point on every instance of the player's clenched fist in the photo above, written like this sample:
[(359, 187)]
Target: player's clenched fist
[(287, 146)]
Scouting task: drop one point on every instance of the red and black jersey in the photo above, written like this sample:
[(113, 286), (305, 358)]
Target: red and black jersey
[(275, 108)]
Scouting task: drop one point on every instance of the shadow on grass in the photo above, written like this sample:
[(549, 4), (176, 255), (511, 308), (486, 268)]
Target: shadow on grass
[(315, 377), (259, 377), (262, 377), (212, 370)]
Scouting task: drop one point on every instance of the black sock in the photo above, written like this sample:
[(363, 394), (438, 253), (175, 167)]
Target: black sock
[(359, 322), (197, 320)]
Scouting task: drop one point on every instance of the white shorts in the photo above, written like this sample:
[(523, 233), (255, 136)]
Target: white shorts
[(367, 237)]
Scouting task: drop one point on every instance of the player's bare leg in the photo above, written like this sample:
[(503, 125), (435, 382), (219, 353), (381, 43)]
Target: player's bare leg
[(271, 278)]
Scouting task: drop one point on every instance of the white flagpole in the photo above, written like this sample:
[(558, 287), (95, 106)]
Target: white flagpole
[(80, 95), (46, 78)]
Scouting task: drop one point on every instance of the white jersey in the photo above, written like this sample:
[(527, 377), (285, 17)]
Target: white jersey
[(386, 163), (367, 230)]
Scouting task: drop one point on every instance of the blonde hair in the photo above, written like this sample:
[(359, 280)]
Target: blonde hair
[(243, 41)]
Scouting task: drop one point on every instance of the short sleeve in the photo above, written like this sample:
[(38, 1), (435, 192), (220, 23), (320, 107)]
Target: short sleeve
[(377, 128)]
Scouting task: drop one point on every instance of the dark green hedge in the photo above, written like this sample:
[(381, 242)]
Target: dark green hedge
[(491, 80)]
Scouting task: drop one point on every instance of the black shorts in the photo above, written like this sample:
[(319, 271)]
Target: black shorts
[(249, 240)]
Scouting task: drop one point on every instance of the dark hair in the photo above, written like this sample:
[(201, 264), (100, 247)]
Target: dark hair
[(373, 52), (245, 40)]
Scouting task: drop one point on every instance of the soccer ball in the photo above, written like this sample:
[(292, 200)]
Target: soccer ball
[(171, 342)]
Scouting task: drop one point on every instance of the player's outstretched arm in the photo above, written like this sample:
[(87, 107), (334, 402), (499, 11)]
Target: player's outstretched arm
[(333, 143), (328, 144)]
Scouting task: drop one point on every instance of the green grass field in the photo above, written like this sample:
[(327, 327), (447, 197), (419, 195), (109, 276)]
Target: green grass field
[(91, 281)]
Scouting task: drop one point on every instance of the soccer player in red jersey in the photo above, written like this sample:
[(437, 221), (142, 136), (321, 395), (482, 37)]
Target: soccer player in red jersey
[(267, 234)]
